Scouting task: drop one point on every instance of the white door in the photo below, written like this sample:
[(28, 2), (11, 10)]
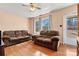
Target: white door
[(69, 36)]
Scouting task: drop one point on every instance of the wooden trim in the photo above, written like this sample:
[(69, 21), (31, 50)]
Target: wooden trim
[(78, 17)]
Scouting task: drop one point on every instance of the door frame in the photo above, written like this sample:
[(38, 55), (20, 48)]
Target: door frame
[(74, 13)]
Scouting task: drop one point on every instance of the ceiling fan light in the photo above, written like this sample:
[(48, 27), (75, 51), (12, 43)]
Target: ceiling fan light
[(32, 9)]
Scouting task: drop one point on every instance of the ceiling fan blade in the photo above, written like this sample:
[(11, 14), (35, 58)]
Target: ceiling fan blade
[(32, 6), (23, 5), (38, 7)]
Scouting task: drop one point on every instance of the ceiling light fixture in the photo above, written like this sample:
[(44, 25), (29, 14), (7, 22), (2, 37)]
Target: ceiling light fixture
[(32, 6), (32, 9)]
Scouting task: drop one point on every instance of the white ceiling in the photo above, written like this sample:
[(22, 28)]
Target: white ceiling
[(18, 9)]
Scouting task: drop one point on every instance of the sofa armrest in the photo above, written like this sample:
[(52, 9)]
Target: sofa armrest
[(6, 40), (29, 34), (36, 36), (55, 38), (5, 36)]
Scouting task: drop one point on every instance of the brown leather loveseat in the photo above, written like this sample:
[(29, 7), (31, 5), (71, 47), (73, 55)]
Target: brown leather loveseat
[(47, 39)]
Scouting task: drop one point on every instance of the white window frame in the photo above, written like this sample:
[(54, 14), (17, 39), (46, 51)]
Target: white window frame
[(37, 19)]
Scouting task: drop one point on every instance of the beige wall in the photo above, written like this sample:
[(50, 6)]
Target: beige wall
[(13, 22), (58, 17)]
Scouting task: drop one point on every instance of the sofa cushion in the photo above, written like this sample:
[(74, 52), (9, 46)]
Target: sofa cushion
[(44, 39), (24, 33), (20, 37), (43, 32), (18, 33), (13, 38), (49, 33), (53, 33), (26, 36), (9, 33)]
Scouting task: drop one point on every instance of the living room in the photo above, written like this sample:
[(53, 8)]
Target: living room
[(37, 32)]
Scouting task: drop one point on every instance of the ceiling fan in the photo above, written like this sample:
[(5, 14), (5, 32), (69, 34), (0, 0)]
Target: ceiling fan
[(32, 6)]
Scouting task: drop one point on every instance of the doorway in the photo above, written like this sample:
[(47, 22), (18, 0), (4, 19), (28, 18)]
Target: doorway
[(70, 29)]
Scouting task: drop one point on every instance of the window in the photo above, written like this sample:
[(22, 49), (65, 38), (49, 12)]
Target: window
[(37, 25), (72, 24), (45, 24), (41, 24)]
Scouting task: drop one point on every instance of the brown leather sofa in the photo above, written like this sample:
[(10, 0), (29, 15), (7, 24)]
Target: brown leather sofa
[(15, 37), (47, 39)]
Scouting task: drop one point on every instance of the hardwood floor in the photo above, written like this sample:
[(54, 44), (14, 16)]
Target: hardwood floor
[(31, 49)]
